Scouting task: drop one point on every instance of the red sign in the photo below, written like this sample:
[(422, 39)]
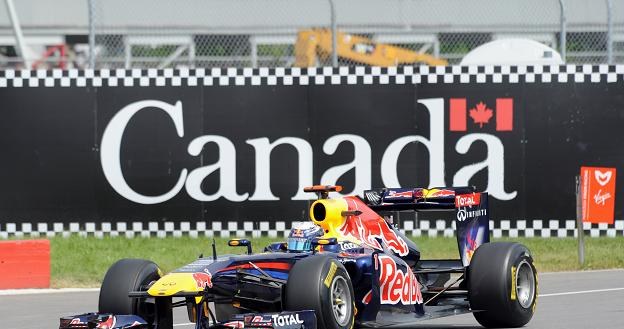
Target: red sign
[(480, 114), (467, 200), (597, 194)]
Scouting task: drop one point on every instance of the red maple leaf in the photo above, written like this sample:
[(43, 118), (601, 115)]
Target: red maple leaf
[(481, 114)]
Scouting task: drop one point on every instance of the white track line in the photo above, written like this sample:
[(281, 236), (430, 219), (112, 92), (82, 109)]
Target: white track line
[(583, 272), (580, 292), (12, 292), (183, 324)]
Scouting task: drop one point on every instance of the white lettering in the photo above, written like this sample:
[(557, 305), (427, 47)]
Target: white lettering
[(286, 320), (601, 198), (435, 146), (263, 167), (494, 162), (110, 150), (226, 166), (361, 163)]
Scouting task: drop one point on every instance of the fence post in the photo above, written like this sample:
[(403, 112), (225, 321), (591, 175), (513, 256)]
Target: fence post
[(334, 53), (562, 30), (579, 222), (609, 32), (91, 6), (19, 37)]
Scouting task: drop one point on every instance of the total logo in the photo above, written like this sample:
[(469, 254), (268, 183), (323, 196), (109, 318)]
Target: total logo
[(468, 200), (397, 286), (286, 320)]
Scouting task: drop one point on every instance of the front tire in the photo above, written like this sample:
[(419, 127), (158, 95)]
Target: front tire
[(502, 285), (122, 277), (322, 284)]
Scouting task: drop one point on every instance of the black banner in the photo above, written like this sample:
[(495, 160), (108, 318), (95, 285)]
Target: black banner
[(243, 152)]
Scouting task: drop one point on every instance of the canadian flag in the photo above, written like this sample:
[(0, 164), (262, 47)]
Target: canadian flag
[(481, 114)]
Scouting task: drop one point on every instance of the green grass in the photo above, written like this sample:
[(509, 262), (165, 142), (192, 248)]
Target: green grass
[(82, 262)]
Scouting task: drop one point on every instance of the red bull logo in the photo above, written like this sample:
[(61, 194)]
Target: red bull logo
[(203, 280), (436, 193), (396, 286), (368, 227)]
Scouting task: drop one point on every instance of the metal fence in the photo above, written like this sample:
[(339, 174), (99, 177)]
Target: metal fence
[(270, 33)]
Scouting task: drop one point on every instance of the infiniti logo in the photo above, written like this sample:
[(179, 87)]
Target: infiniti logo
[(461, 214)]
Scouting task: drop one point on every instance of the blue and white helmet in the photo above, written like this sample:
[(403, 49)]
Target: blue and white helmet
[(301, 235)]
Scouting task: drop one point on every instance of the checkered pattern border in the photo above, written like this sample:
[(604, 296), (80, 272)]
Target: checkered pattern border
[(312, 76), (434, 228)]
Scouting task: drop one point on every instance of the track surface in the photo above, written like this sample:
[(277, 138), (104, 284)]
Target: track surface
[(592, 299)]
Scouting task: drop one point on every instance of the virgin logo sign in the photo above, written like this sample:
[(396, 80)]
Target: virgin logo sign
[(602, 178), (598, 194)]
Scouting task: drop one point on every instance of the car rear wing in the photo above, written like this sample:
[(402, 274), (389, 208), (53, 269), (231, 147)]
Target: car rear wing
[(416, 199), (472, 215), (471, 210)]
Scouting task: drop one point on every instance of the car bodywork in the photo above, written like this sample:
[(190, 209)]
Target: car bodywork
[(392, 285)]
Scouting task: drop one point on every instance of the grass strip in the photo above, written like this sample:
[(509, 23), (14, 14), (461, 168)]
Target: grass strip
[(82, 262)]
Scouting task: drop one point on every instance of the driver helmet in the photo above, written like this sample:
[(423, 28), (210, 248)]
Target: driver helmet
[(301, 235)]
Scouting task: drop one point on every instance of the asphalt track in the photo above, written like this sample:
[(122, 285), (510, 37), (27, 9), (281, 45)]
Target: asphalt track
[(591, 299)]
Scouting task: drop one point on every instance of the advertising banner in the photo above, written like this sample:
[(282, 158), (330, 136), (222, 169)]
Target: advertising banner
[(598, 194), (234, 145)]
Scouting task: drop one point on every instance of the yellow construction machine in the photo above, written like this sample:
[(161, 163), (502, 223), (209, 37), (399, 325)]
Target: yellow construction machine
[(315, 44)]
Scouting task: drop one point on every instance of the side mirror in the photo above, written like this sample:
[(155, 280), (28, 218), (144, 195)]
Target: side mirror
[(241, 243), (323, 242)]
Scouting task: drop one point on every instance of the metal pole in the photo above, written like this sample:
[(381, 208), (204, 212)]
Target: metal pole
[(579, 222), (609, 32), (91, 34), (19, 37), (562, 30), (334, 53)]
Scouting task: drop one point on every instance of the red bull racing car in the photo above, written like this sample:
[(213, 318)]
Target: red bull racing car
[(349, 266)]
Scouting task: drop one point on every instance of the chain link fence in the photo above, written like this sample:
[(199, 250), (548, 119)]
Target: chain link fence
[(285, 33), (269, 33), (201, 33)]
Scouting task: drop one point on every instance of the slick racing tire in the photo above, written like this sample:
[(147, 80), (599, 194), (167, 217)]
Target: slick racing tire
[(502, 285), (122, 277), (322, 284)]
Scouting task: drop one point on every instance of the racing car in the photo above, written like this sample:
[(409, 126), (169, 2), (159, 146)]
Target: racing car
[(348, 266)]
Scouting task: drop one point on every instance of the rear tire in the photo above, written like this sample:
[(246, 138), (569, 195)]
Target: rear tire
[(122, 277), (322, 284), (502, 285)]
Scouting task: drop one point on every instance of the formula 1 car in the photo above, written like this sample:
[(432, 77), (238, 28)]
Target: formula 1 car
[(357, 270)]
